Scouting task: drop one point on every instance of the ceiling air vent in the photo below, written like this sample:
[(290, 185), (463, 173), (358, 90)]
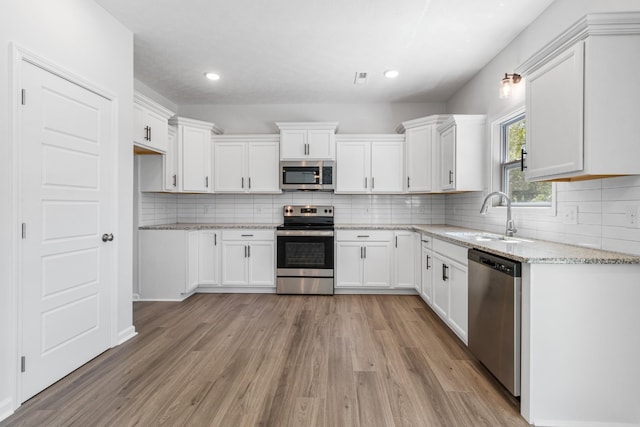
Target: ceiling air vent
[(361, 78)]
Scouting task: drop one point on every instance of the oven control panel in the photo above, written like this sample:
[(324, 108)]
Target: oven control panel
[(307, 211)]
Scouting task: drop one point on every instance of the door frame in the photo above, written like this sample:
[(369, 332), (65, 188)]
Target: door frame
[(18, 55)]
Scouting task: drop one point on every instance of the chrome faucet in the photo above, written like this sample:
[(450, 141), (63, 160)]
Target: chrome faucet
[(511, 229)]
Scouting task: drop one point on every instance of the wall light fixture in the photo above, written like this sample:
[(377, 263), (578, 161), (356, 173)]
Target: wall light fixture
[(506, 84)]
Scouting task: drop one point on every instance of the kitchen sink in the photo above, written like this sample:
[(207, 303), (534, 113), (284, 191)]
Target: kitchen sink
[(481, 236)]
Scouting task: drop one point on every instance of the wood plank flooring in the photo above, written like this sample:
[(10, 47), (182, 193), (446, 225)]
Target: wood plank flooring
[(269, 360)]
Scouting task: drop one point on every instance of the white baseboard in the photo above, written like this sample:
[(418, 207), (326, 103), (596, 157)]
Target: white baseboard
[(373, 291), (6, 408), (127, 334)]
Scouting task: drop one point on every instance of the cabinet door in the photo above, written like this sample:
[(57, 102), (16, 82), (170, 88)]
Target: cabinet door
[(555, 114), (261, 259), (349, 264), (208, 258), (139, 132), (192, 261), (440, 286), (321, 144), (157, 132), (405, 245), (353, 167), (387, 167), (263, 163), (293, 144), (458, 299), (448, 159), (196, 159), (419, 146), (377, 264), (229, 166), (170, 161), (234, 262), (427, 276)]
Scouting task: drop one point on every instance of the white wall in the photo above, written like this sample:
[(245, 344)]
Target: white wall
[(600, 203), (352, 118), (82, 38)]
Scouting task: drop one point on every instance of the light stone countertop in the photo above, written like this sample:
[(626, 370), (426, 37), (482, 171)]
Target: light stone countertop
[(519, 248), (208, 226)]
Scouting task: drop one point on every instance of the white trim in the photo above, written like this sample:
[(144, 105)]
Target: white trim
[(19, 55), (495, 161), (126, 335), (6, 408)]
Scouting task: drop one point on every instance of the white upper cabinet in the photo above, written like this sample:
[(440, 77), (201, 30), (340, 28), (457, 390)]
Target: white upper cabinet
[(369, 164), (581, 118), (246, 163), (461, 153), (149, 125), (194, 154), (420, 150), (307, 140)]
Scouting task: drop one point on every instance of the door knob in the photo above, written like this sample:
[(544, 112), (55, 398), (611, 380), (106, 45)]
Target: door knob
[(107, 237)]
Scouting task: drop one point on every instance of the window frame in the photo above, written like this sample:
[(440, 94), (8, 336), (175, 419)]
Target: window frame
[(499, 167)]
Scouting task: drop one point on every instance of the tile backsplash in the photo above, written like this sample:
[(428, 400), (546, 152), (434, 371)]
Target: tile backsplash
[(601, 221), (156, 208), (602, 206)]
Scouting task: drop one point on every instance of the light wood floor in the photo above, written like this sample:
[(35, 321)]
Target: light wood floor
[(269, 360)]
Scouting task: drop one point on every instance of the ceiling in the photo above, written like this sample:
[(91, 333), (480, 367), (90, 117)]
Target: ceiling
[(308, 51)]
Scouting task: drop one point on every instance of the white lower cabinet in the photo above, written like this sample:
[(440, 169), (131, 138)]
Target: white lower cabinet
[(248, 258), (208, 258), (404, 259), (426, 265), (169, 263), (446, 284), (363, 259)]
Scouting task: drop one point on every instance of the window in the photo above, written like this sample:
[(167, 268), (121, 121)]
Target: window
[(521, 192)]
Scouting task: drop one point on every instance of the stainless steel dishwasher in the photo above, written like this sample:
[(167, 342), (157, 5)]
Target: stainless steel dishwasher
[(494, 315)]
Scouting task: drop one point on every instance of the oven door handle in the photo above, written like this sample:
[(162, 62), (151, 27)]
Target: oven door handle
[(309, 233)]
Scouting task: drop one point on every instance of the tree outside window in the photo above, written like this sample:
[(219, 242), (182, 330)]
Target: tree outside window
[(521, 192)]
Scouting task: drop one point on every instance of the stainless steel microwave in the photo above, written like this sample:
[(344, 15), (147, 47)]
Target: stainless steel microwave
[(318, 175)]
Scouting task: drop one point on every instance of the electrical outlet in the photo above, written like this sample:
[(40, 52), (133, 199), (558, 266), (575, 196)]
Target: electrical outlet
[(570, 214), (631, 216)]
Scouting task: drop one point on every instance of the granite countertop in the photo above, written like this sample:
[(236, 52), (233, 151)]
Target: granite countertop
[(209, 226), (517, 248)]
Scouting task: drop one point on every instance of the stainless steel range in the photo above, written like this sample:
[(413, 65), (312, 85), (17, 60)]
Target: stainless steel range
[(305, 245)]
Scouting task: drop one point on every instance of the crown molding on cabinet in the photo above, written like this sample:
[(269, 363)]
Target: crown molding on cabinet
[(598, 24), (436, 119), (151, 105), (183, 121)]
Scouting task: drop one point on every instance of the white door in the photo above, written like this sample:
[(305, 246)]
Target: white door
[(196, 159), (419, 159), (264, 160), (234, 262), (377, 264), (448, 159), (68, 203), (349, 264), (387, 167), (353, 167), (260, 256), (229, 165), (404, 256)]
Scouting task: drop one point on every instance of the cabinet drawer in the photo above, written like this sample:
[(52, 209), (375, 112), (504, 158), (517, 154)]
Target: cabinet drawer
[(364, 235), (247, 234), (455, 252), (426, 241)]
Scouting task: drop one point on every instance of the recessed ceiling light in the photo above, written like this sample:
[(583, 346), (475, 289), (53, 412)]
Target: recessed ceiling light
[(212, 76), (391, 74)]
